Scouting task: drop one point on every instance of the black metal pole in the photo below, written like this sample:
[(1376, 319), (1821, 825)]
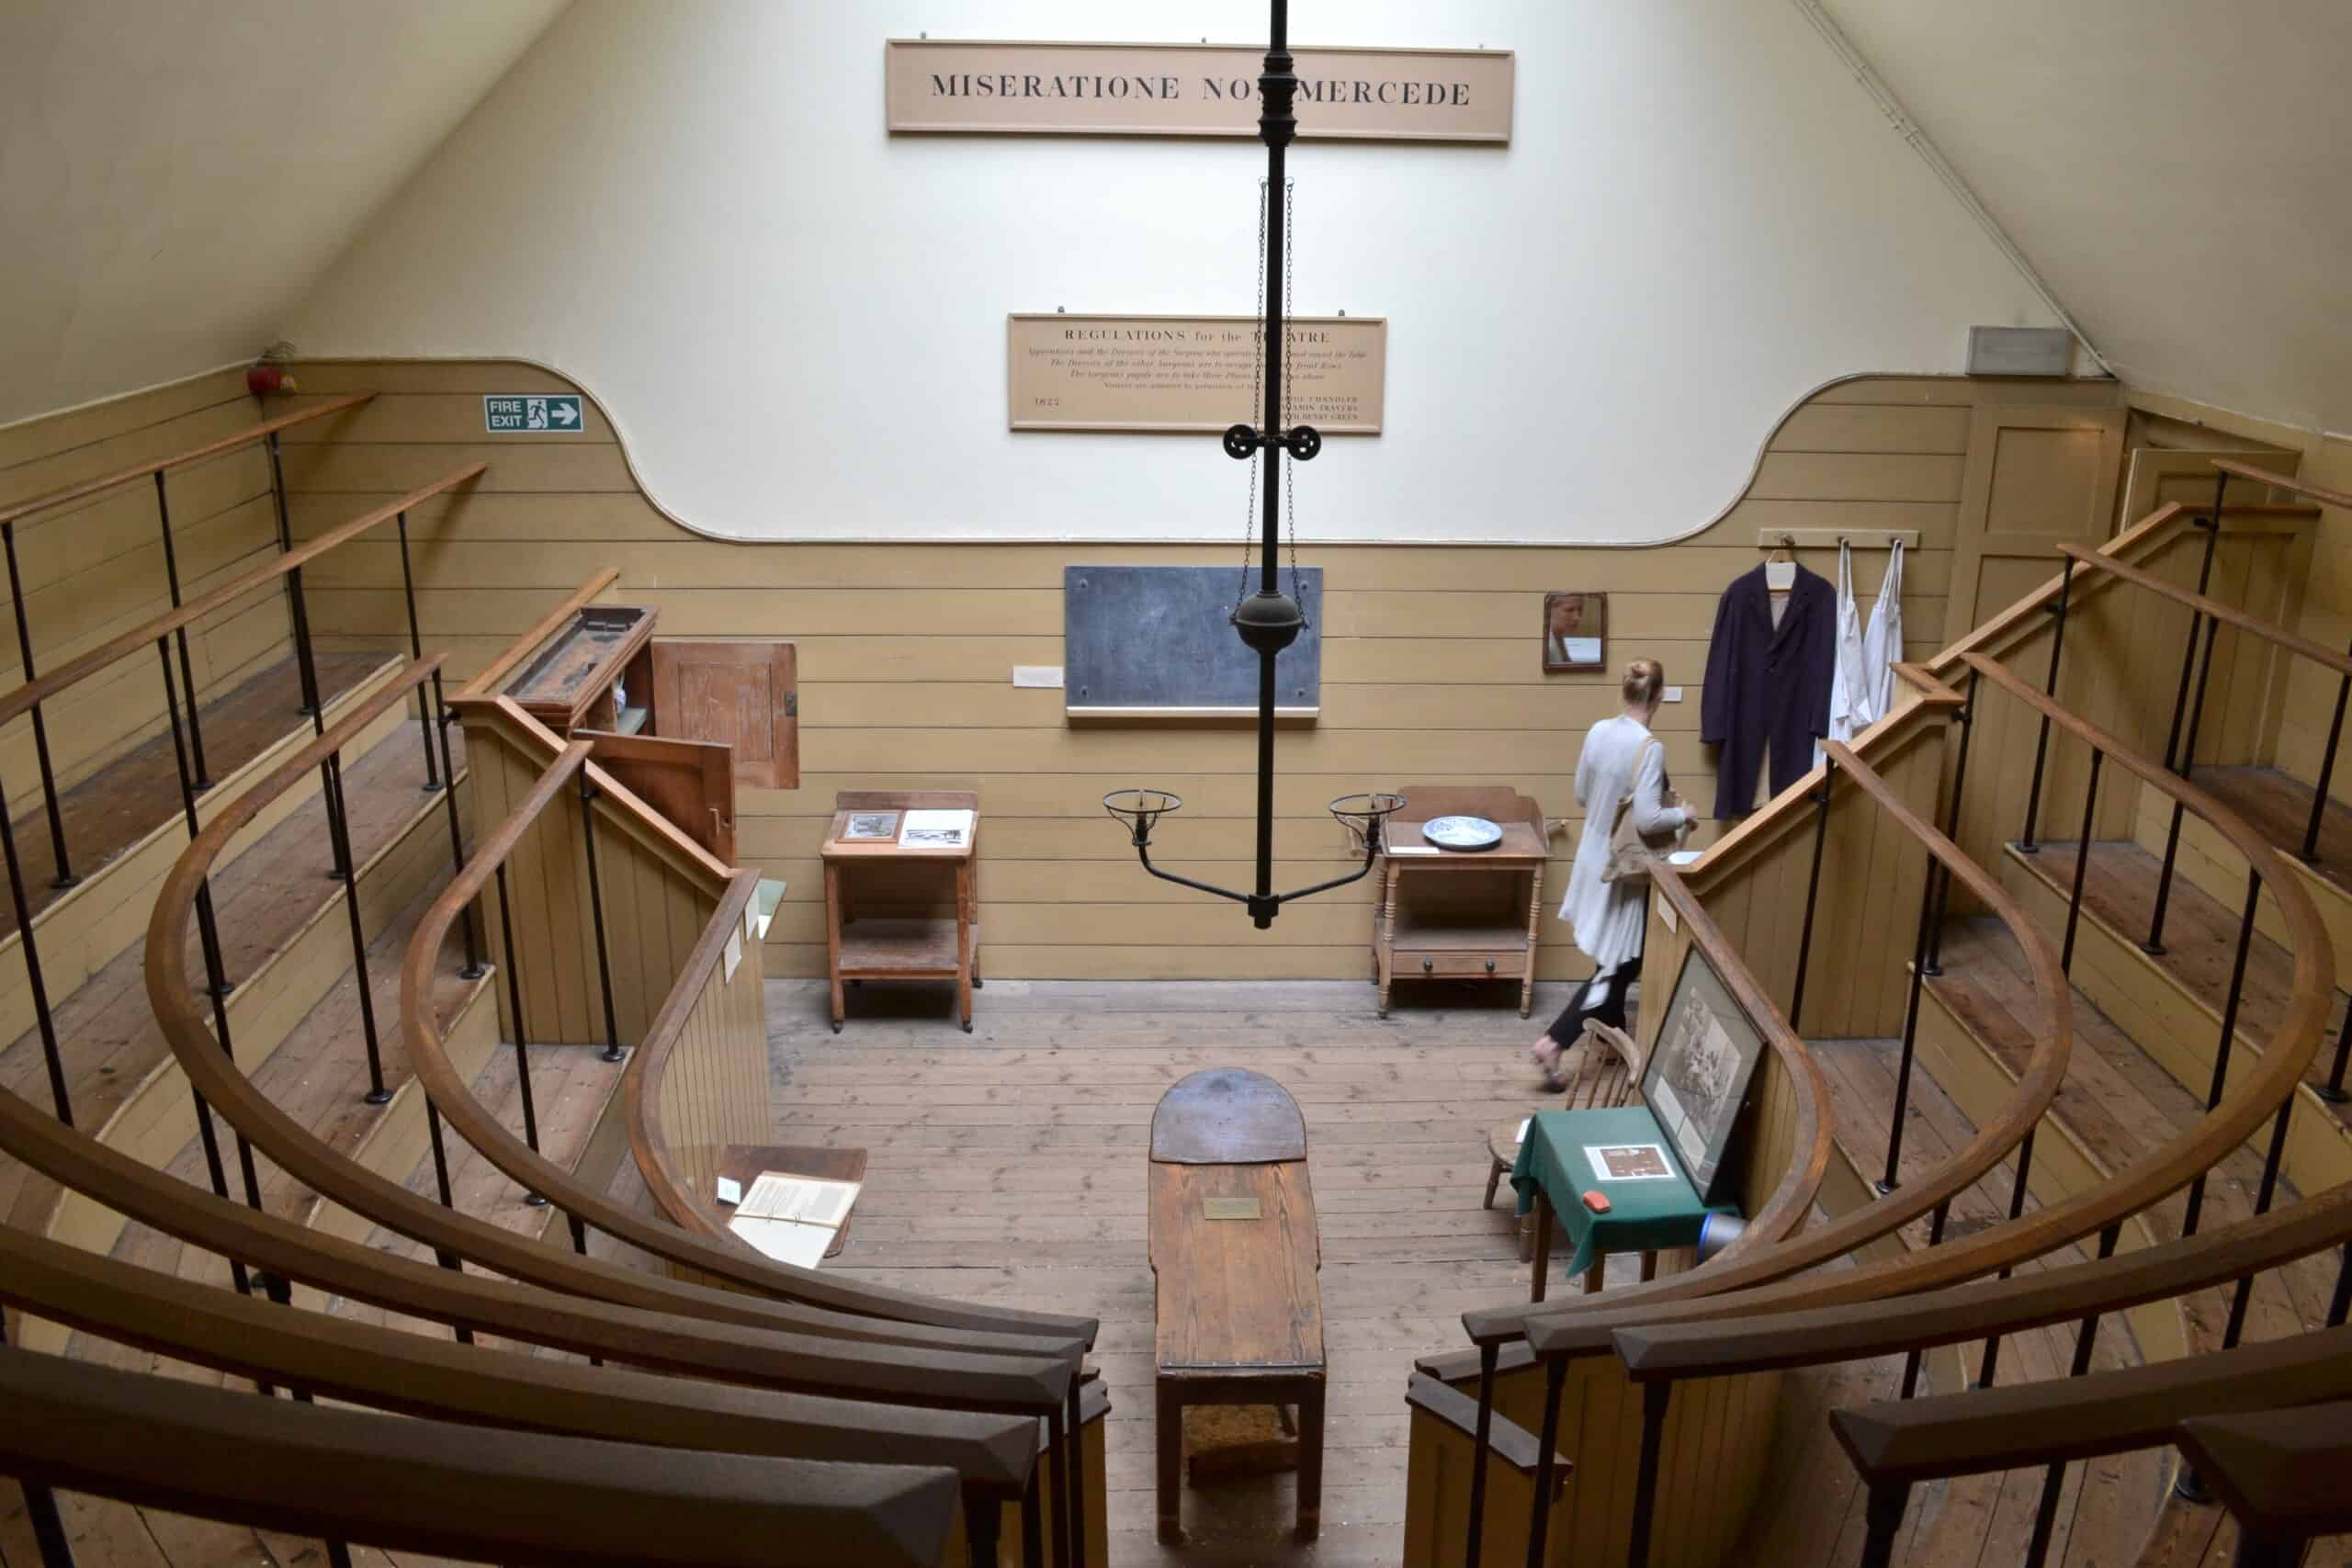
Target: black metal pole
[(2053, 1479), (1655, 1399), (522, 1035), (1883, 1513), (1812, 897), (1481, 1432), (1074, 1454), (2082, 866), (2026, 844), (1935, 1239), (417, 650), (2340, 1302), (296, 613), (2154, 945), (2017, 1206), (339, 827), (2263, 1195), (187, 671), (1891, 1179), (613, 1052), (1033, 1524), (40, 1507), (1062, 1483), (59, 1099), (2229, 1037), (66, 877), (1967, 721), (473, 970), (2326, 773), (1538, 1523), (2204, 578)]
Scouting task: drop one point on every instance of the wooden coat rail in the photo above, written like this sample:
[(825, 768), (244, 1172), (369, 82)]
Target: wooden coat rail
[(507, 1496), (83, 490), (304, 1156), (1830, 539)]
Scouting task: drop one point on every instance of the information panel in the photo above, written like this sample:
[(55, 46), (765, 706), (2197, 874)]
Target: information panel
[(1191, 373), (1161, 89)]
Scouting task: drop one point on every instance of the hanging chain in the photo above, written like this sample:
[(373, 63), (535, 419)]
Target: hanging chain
[(1257, 393), (1290, 381)]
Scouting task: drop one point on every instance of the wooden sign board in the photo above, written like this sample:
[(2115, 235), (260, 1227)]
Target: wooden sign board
[(1190, 373), (1152, 89)]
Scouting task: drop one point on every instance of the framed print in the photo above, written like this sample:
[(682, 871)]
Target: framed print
[(1698, 1073), (1574, 627)]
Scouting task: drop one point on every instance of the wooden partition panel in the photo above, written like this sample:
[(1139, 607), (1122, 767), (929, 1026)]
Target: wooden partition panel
[(1431, 655), (705, 1084), (656, 902)]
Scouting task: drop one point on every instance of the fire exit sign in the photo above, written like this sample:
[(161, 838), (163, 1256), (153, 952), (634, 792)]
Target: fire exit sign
[(556, 415)]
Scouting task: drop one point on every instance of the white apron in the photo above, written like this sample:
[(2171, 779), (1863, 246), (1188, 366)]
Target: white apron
[(1883, 643), (1848, 683)]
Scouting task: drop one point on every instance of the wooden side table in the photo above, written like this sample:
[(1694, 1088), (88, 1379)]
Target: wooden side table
[(896, 911), (1460, 914)]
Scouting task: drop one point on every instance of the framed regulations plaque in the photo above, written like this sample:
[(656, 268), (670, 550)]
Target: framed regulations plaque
[(1190, 373)]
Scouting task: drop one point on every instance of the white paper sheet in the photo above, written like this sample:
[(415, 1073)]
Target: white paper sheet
[(805, 1200), (935, 829), (784, 1241)]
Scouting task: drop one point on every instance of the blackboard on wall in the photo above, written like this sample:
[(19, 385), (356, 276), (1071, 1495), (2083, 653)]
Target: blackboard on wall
[(1158, 642)]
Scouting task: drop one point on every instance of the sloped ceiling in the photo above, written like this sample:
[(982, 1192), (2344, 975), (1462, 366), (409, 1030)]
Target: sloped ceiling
[(172, 174), (2179, 171)]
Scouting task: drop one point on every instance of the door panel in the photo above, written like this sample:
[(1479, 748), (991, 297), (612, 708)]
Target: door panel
[(691, 782), (2035, 477), (742, 694)]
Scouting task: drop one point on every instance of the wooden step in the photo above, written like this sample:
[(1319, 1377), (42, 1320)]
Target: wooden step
[(126, 825)]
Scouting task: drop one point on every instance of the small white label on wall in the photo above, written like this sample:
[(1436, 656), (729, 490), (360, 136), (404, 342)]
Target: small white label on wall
[(734, 953), (1048, 675), (1666, 912), (729, 1191), (1674, 694)]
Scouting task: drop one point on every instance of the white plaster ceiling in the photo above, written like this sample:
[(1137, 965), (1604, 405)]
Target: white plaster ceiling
[(173, 172), (2179, 171)]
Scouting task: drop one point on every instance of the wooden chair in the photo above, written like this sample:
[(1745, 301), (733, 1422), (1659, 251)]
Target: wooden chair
[(1608, 1072)]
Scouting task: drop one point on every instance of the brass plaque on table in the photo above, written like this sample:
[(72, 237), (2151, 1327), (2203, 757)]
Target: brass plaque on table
[(1191, 373), (1163, 89), (1230, 1209)]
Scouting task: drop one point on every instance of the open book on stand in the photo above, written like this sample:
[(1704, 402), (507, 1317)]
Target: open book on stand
[(793, 1219)]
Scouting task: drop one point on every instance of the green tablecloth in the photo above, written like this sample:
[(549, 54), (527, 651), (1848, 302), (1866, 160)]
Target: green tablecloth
[(1644, 1215)]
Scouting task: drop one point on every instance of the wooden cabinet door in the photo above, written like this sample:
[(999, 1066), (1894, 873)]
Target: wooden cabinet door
[(2035, 477), (689, 782), (742, 694)]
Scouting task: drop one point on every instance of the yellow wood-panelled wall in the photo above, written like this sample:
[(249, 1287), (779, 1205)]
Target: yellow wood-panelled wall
[(93, 570), (714, 1086), (1431, 666), (655, 907)]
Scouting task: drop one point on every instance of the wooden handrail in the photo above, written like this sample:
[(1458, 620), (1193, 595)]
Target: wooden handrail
[(33, 692), (410, 1374), (2279, 1472), (2204, 605), (1509, 1442), (2025, 611), (82, 490), (310, 1161), (2102, 1413), (2319, 493), (453, 1097), (1983, 1308), (1578, 1332), (486, 679), (648, 1066), (2164, 1170), (505, 1497)]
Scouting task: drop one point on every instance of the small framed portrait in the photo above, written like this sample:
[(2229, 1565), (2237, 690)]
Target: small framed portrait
[(1698, 1073), (1574, 627)]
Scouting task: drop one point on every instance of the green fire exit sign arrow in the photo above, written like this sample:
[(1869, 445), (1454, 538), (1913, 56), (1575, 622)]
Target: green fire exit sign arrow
[(554, 415)]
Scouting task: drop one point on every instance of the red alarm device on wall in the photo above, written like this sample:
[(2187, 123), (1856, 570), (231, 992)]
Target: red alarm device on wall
[(1596, 1202)]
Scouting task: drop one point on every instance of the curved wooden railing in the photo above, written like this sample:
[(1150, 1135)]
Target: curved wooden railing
[(677, 1187), (499, 1494), (83, 489)]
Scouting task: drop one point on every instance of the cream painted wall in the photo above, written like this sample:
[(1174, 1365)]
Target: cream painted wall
[(174, 173), (797, 322)]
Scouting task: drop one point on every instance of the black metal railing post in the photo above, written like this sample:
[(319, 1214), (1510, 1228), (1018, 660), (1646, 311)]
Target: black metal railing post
[(1655, 1397), (1891, 1179), (2154, 945), (59, 1099), (588, 793), (2340, 1302), (2017, 1206), (1538, 1523), (441, 720), (2082, 867), (2054, 1478), (187, 670), (417, 650), (1063, 1483), (1032, 1521), (2026, 844), (1482, 1432), (522, 1034), (1911, 1361), (339, 830), (2333, 1090), (64, 877), (297, 613), (1882, 1513), (1966, 719), (2326, 771), (1812, 898), (2196, 1206), (2212, 527), (2263, 1195), (40, 1509), (307, 670), (1074, 1460)]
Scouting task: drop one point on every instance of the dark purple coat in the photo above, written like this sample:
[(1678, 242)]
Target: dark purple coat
[(1767, 684)]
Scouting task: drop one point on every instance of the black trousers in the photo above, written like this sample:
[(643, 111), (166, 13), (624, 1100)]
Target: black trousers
[(1569, 1026)]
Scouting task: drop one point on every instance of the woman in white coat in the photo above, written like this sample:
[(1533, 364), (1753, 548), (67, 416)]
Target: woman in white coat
[(1607, 919)]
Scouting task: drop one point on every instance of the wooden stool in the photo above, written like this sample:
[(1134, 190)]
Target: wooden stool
[(1502, 1147)]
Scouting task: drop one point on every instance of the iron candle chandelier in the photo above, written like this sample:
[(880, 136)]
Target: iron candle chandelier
[(1268, 620)]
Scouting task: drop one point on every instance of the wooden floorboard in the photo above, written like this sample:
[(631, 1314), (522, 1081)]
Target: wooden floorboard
[(140, 791), (2279, 808)]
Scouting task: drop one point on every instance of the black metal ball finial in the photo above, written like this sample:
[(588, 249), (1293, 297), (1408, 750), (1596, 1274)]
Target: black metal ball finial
[(1240, 441), (1304, 442)]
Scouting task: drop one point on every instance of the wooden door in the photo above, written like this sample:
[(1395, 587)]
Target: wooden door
[(2160, 474), (2036, 477), (742, 694), (691, 783)]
